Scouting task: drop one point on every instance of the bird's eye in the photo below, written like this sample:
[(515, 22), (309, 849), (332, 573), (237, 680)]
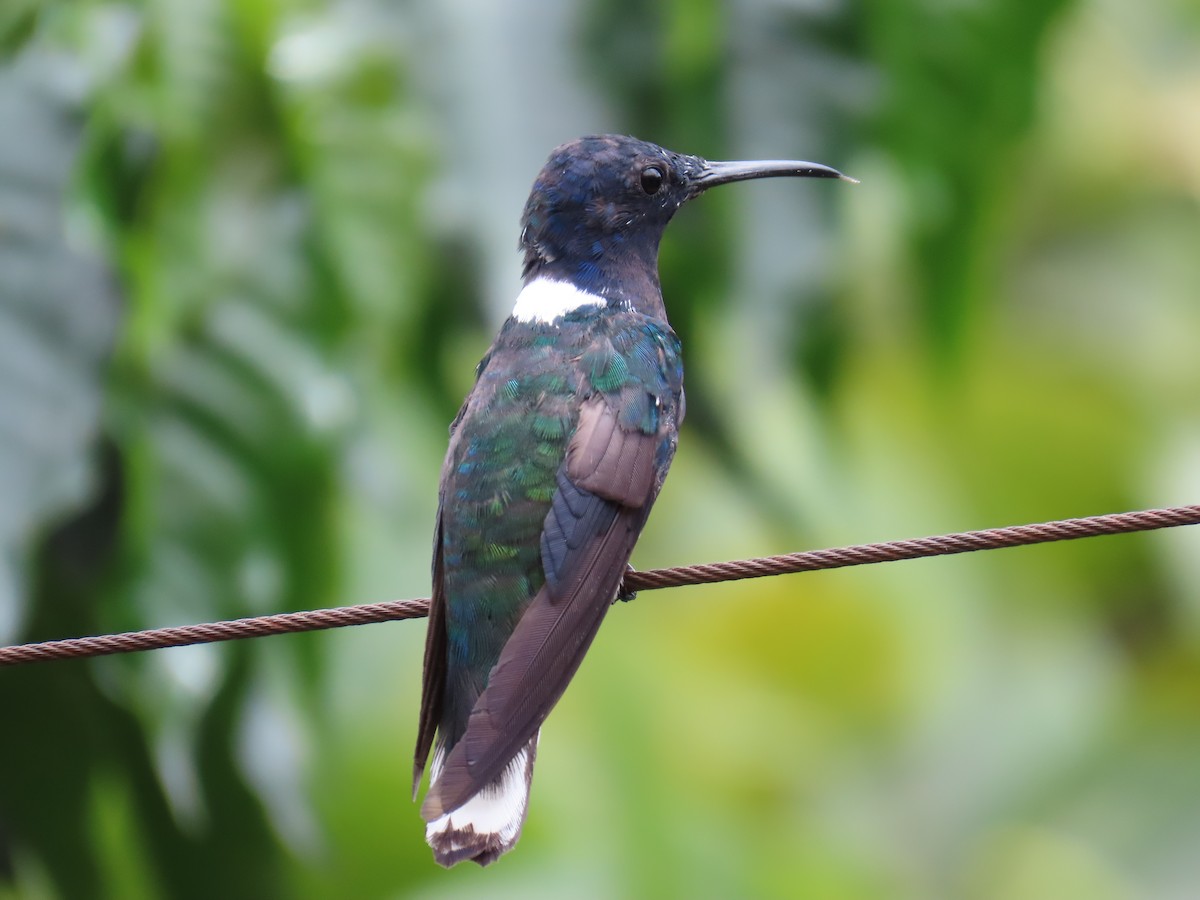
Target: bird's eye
[(652, 179)]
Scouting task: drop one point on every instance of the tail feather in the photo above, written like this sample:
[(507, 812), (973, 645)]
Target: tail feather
[(488, 825)]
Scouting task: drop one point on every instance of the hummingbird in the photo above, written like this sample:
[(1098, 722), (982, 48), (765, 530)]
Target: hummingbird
[(554, 462)]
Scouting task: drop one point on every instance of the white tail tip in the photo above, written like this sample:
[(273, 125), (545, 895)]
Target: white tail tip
[(488, 825)]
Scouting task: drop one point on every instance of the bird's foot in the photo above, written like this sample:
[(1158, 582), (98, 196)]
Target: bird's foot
[(624, 594)]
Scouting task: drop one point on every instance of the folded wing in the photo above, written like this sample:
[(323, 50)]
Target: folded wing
[(603, 494)]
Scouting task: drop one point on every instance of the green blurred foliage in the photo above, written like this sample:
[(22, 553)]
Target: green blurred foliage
[(250, 251)]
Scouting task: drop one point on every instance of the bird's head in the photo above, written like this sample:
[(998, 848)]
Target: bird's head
[(600, 205)]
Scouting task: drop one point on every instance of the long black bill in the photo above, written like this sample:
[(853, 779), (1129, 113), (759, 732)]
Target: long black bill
[(714, 173)]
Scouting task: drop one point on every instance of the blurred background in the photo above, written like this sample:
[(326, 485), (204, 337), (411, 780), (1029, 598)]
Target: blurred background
[(250, 252)]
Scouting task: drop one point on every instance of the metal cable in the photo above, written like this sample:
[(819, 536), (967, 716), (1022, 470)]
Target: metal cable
[(652, 579)]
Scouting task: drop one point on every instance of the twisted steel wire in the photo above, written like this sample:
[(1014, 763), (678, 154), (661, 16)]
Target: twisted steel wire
[(652, 579)]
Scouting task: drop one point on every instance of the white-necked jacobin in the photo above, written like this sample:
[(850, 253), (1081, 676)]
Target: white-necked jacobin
[(554, 462)]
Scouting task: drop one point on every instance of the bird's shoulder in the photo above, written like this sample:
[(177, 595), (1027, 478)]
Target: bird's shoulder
[(584, 352)]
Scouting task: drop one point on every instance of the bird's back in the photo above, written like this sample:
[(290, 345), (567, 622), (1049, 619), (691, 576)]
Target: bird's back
[(500, 475)]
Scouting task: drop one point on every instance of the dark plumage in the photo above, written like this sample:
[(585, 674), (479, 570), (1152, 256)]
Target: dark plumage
[(555, 460)]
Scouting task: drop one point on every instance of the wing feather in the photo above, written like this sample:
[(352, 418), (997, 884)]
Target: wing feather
[(604, 492), (538, 661), (433, 684), (610, 461)]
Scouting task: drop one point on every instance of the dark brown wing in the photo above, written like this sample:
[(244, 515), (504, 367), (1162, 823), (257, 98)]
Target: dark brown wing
[(433, 679), (433, 683), (605, 490), (609, 461)]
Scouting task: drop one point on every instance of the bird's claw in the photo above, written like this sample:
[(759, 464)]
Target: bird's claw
[(624, 594)]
